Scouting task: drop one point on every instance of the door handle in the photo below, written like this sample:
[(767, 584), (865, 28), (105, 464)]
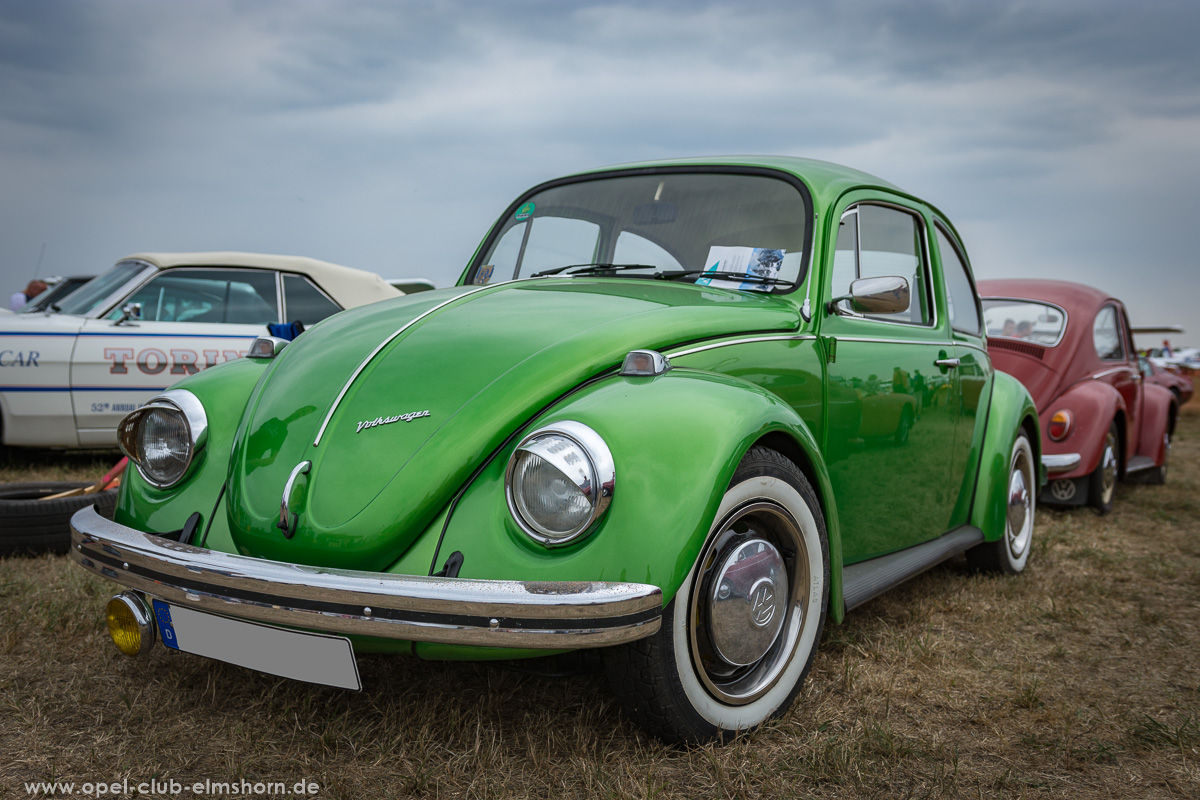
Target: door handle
[(951, 363)]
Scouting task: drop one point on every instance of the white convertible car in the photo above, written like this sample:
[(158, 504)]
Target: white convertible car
[(68, 376)]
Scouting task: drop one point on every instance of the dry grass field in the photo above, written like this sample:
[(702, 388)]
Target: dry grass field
[(1079, 679)]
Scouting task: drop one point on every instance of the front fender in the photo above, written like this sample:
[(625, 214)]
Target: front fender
[(676, 440), (1010, 411), (1093, 406), (222, 390)]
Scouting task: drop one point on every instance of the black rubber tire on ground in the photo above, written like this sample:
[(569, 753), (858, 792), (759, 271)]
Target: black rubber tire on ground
[(31, 525), (1102, 483), (680, 683), (1009, 554)]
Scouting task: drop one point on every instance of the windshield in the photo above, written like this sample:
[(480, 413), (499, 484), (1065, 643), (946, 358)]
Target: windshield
[(1036, 322), (85, 299), (747, 230)]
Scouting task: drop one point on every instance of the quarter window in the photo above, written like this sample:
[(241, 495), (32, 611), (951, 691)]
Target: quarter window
[(1106, 334), (961, 300), (305, 302)]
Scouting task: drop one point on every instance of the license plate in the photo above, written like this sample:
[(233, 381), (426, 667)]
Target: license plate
[(301, 656)]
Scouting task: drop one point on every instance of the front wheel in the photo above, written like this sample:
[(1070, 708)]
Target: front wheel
[(741, 633)]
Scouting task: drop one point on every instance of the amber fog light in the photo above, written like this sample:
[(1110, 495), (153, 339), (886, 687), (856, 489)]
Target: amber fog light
[(1060, 426), (130, 623)]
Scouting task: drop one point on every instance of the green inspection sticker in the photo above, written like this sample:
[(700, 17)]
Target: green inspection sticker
[(524, 212)]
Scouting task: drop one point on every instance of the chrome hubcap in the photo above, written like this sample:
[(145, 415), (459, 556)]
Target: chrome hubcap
[(1020, 504), (748, 602), (745, 605), (1108, 463)]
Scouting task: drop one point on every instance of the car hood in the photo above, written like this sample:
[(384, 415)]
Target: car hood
[(396, 404)]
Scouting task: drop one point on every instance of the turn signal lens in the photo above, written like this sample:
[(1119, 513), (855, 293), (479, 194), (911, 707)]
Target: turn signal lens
[(129, 624), (1060, 426)]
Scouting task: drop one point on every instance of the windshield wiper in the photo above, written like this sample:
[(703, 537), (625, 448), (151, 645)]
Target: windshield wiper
[(586, 269), (734, 276)]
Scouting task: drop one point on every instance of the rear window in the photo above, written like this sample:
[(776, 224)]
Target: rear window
[(1029, 320)]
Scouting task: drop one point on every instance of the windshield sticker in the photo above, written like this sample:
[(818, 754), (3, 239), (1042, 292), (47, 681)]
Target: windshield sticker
[(483, 275), (374, 423), (753, 262), (524, 212)]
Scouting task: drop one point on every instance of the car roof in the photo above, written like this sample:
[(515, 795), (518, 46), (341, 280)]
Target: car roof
[(825, 180), (348, 286), (1071, 296)]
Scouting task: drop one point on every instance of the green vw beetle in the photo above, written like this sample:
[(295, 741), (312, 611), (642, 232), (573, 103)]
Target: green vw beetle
[(684, 411)]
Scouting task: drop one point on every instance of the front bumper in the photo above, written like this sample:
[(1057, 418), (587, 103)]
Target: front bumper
[(493, 613)]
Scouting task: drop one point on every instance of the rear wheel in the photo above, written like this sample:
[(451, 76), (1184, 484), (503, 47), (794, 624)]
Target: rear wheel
[(1158, 475), (1102, 483), (742, 631), (1010, 554)]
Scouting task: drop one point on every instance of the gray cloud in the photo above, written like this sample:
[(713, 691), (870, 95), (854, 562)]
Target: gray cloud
[(1061, 137)]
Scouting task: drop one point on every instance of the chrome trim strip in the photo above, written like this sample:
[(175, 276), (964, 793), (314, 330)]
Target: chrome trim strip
[(354, 376), (752, 340), (1064, 462), (1114, 371), (929, 342), (495, 613)]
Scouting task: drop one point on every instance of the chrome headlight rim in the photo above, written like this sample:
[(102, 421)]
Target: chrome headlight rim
[(179, 401), (600, 487)]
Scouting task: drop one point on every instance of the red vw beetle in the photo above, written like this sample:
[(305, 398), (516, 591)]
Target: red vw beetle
[(1071, 346)]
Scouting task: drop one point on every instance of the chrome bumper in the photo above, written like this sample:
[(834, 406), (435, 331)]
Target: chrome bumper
[(493, 613), (1057, 464)]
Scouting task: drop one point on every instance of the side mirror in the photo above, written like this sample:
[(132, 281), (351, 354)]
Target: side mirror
[(130, 311), (887, 294)]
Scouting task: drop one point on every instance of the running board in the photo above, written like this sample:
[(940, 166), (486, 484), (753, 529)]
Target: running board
[(868, 579), (1139, 463)]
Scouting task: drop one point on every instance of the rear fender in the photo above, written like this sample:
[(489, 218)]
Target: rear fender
[(1093, 406), (1010, 411), (1158, 412), (676, 440)]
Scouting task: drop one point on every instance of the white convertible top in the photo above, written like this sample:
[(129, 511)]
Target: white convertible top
[(348, 286)]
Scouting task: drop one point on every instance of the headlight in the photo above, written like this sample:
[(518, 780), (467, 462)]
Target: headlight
[(163, 436), (559, 482)]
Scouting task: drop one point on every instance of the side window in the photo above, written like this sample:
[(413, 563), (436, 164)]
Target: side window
[(877, 241), (553, 242), (634, 249), (1106, 334), (961, 300), (305, 302), (208, 295)]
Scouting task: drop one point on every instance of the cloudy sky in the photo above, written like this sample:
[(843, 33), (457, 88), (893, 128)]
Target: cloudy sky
[(1061, 136)]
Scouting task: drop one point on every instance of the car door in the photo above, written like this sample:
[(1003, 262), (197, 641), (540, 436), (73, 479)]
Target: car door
[(894, 396), (974, 371), (191, 318), (1110, 334)]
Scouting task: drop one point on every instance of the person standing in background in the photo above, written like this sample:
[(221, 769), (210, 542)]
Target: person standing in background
[(32, 290)]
